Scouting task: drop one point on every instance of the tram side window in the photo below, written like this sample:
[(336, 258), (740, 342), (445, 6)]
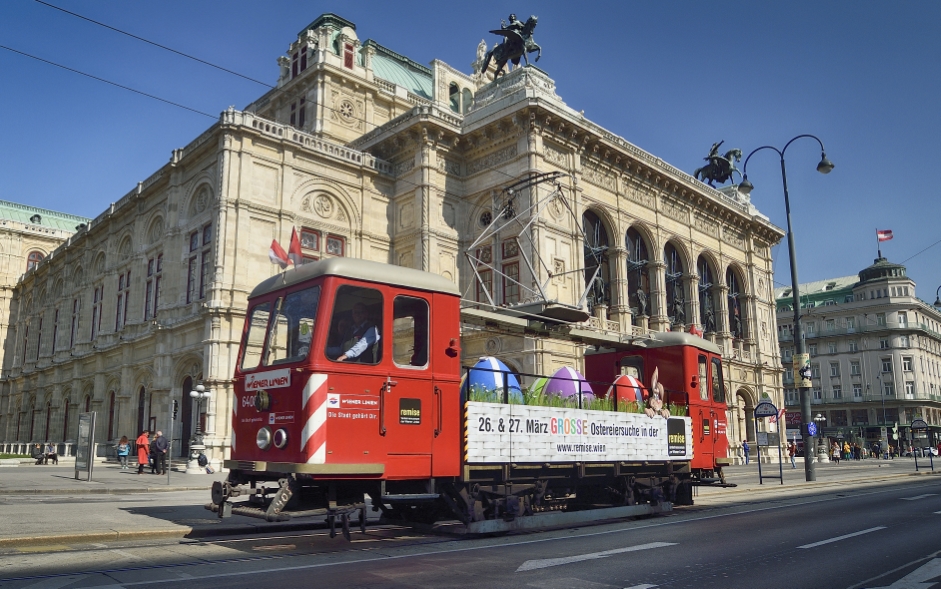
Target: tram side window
[(410, 332), (703, 380), (718, 387), (293, 326), (255, 338), (355, 329), (633, 366)]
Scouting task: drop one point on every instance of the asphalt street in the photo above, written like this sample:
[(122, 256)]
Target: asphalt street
[(868, 524)]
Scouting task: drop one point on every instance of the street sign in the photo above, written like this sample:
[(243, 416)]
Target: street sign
[(765, 409), (811, 429), (919, 424)]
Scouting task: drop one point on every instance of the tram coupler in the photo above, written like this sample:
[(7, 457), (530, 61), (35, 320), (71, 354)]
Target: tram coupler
[(222, 491)]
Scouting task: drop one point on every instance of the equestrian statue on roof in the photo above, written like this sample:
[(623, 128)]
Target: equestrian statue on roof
[(720, 167), (517, 42)]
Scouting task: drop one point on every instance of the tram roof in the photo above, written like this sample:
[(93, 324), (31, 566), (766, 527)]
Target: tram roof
[(679, 338), (358, 270)]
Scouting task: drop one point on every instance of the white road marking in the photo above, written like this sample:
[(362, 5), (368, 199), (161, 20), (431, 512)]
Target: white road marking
[(838, 538), (919, 578), (55, 582), (644, 586), (918, 497), (126, 554), (531, 565)]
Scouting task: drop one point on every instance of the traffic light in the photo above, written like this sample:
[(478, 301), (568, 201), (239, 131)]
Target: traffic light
[(176, 409)]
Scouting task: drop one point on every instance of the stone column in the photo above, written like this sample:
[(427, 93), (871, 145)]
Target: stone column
[(658, 297), (723, 334), (694, 316), (621, 305)]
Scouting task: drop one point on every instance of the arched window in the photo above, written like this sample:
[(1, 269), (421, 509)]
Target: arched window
[(140, 411), (87, 403), (676, 291), (638, 278), (466, 100), (33, 259), (707, 301), (454, 97), (736, 310), (111, 416), (597, 273)]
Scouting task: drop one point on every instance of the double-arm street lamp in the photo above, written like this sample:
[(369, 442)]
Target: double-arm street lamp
[(200, 394), (824, 167)]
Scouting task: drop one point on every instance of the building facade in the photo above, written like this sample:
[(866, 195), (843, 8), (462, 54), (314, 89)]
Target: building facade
[(875, 351), (369, 154)]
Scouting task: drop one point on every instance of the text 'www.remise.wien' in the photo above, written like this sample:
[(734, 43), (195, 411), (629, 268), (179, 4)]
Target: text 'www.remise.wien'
[(579, 448)]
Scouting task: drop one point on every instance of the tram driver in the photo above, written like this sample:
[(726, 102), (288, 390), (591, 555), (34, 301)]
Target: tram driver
[(357, 339)]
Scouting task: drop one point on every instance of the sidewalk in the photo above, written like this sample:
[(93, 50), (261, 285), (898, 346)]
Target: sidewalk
[(45, 505)]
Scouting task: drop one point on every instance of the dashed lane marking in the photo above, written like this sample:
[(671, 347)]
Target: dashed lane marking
[(916, 497), (844, 537), (530, 565)]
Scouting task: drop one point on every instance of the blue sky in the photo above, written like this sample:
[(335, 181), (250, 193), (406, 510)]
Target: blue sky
[(670, 77)]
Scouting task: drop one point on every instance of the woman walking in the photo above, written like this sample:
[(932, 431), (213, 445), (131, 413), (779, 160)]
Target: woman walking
[(124, 449), (143, 452)]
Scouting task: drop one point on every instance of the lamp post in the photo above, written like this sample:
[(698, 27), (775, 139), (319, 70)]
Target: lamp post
[(822, 450), (199, 394), (824, 167), (937, 299)]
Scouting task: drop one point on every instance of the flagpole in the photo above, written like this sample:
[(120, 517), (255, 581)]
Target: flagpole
[(878, 243)]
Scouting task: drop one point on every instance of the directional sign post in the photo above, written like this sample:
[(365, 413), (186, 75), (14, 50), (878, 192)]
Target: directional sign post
[(763, 410), (917, 426)]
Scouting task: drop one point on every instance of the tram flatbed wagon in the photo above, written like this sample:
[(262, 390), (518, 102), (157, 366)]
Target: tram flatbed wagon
[(349, 385)]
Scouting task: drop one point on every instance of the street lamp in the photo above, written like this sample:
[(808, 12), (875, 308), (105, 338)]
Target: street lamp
[(821, 448), (937, 299), (199, 394), (824, 167)]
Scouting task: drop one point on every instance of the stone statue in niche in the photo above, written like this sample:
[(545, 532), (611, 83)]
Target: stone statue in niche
[(641, 302)]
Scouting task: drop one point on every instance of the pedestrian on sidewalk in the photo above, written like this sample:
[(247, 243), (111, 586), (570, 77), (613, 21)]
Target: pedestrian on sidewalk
[(143, 451), (745, 450), (792, 452), (835, 451), (51, 454), (124, 448), (160, 446), (37, 454)]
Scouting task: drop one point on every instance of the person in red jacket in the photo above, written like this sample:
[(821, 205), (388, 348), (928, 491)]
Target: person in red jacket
[(143, 451)]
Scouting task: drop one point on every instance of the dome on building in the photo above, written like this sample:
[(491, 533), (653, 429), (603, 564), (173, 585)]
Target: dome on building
[(881, 269)]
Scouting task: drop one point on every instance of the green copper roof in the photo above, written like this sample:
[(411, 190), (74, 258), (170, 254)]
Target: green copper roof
[(401, 71), (330, 20), (46, 218)]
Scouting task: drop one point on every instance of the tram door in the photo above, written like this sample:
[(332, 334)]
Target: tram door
[(702, 414)]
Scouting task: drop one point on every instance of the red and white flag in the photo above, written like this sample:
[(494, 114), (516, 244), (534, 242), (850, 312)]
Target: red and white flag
[(883, 234), (294, 250), (277, 254)]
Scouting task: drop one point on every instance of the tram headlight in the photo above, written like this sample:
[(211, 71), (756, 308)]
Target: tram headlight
[(263, 438), (280, 438)]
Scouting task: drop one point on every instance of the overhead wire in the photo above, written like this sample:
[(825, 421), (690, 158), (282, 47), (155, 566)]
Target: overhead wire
[(155, 44), (123, 87)]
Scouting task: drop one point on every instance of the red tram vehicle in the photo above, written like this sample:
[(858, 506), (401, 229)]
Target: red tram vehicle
[(349, 385)]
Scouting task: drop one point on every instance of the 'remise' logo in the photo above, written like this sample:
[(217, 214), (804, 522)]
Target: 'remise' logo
[(273, 379), (410, 411), (676, 437)]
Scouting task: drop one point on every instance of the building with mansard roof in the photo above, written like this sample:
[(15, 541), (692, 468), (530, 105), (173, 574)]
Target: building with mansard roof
[(372, 155), (875, 353)]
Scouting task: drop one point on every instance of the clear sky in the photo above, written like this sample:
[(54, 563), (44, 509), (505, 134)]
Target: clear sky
[(670, 77)]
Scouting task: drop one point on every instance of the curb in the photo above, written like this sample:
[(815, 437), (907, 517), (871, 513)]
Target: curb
[(180, 532), (101, 491)]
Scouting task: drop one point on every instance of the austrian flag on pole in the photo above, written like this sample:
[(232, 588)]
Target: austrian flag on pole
[(277, 255), (884, 234)]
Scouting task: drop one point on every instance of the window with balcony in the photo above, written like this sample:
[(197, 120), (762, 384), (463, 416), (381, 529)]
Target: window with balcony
[(903, 319), (857, 391), (904, 342), (907, 363), (851, 324), (831, 325), (834, 369), (818, 395), (854, 368), (810, 329), (152, 286), (880, 319), (837, 392), (909, 389), (124, 294)]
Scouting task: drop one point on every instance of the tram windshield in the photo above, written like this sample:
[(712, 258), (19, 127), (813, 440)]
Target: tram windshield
[(289, 325)]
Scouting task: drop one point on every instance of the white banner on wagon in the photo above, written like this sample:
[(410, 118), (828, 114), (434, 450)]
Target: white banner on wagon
[(497, 433)]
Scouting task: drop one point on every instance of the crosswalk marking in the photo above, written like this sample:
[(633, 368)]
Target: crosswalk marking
[(844, 537), (530, 565), (919, 578)]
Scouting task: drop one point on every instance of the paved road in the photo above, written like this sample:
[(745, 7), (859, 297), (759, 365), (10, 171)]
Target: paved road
[(731, 538)]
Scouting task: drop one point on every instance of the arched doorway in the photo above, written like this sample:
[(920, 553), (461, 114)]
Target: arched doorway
[(638, 277), (744, 420), (597, 271), (186, 416), (140, 411)]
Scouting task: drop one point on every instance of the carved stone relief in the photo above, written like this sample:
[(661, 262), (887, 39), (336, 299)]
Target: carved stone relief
[(494, 159), (597, 175), (675, 211), (706, 225), (733, 237), (555, 155)]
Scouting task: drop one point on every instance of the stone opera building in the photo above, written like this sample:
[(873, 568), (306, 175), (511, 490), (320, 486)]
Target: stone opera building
[(372, 155)]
